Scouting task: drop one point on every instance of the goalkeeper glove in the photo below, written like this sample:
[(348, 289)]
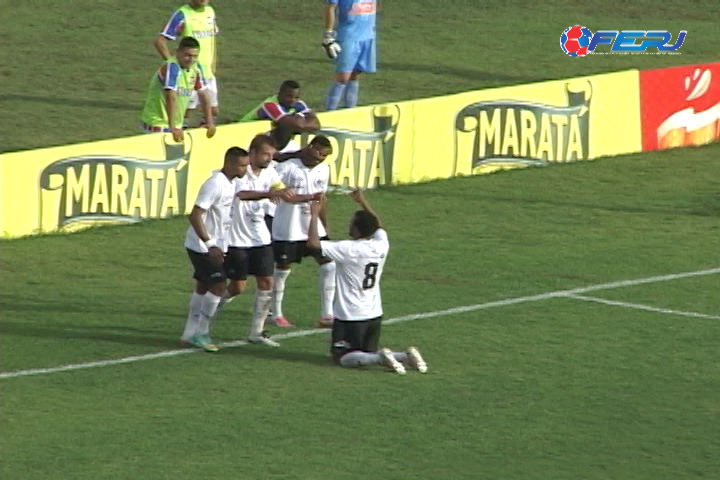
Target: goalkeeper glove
[(332, 48)]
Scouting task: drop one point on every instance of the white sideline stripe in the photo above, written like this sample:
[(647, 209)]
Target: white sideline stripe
[(404, 318), (639, 306)]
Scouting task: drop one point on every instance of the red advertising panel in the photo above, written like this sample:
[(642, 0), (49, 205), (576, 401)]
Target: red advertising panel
[(680, 106)]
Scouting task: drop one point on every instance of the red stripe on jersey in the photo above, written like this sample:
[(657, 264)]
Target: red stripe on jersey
[(273, 110)]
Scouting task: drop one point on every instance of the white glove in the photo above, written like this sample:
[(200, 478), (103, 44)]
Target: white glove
[(332, 48)]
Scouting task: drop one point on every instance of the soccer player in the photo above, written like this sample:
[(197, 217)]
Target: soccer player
[(196, 19), (352, 47), (308, 177), (250, 252), (206, 242), (358, 303), (170, 91), (288, 113)]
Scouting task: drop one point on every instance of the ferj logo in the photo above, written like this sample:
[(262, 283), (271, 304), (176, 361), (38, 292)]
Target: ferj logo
[(579, 41), (93, 189), (496, 135), (362, 159)]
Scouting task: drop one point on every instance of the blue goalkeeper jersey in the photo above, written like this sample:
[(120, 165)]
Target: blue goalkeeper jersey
[(355, 19)]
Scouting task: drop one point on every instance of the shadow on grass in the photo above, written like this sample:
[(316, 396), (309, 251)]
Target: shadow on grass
[(314, 357), (109, 333)]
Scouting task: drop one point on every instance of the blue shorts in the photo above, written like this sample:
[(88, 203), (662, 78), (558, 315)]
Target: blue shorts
[(356, 56)]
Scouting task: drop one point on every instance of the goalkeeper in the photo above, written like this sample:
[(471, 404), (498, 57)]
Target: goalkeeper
[(352, 47)]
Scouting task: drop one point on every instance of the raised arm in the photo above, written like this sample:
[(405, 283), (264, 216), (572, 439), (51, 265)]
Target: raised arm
[(313, 241), (359, 198)]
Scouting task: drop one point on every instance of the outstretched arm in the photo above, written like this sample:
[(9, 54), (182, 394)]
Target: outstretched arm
[(297, 122), (276, 193)]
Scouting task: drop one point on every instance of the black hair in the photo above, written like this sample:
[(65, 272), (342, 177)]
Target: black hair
[(188, 42), (289, 85), (366, 223), (321, 141), (233, 153)]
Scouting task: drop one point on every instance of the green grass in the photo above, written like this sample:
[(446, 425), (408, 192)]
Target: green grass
[(556, 388), (550, 389), (78, 71)]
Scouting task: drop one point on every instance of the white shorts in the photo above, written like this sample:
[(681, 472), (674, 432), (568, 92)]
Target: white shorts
[(212, 92)]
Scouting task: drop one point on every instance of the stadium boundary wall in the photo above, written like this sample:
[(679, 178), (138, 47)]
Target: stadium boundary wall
[(150, 176)]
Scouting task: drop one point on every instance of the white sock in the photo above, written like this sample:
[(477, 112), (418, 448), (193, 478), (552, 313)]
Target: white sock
[(359, 359), (279, 278), (260, 311), (208, 307), (326, 283), (192, 323)]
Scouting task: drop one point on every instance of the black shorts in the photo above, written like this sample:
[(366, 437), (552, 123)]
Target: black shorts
[(241, 262), (268, 222), (293, 252), (348, 336), (206, 272)]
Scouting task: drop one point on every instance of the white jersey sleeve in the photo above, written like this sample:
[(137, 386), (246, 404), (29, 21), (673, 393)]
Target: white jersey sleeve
[(215, 198), (208, 194), (340, 252), (380, 235)]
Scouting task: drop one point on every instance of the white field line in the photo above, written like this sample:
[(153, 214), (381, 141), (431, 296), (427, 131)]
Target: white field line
[(404, 318), (639, 306)]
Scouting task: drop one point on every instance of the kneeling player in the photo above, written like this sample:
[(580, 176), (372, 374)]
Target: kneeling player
[(358, 305)]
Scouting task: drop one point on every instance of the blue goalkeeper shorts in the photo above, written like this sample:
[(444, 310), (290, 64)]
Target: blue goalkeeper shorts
[(356, 56)]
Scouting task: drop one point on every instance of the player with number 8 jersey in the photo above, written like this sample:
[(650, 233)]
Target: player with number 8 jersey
[(358, 304)]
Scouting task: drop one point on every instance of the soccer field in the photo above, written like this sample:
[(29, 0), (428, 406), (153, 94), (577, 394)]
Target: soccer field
[(86, 77), (569, 314), (570, 321)]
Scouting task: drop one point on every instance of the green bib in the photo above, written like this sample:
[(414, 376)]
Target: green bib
[(203, 27), (155, 111)]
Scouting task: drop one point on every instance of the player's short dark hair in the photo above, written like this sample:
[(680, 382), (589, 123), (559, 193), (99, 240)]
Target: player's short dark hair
[(289, 85), (233, 153), (321, 141), (188, 42), (366, 223), (261, 139)]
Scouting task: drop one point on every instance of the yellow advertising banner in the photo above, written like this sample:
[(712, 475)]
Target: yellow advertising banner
[(113, 181), (513, 127), (366, 142), (150, 176)]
